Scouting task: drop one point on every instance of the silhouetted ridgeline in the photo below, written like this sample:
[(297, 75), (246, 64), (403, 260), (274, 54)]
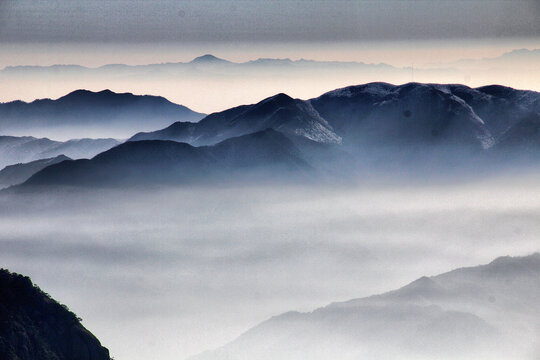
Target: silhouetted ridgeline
[(83, 110), (374, 114), (33, 326), (414, 130), (261, 155)]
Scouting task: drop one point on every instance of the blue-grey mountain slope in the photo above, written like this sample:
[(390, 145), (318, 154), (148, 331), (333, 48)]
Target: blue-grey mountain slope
[(83, 110), (483, 312), (412, 130), (374, 114), (19, 173), (279, 112), (420, 126), (424, 113), (260, 155), (15, 150)]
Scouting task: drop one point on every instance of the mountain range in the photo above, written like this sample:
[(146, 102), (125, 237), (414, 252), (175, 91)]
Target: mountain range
[(526, 58), (260, 155), (382, 124), (19, 173), (14, 150), (279, 112), (200, 61), (208, 60), (83, 111), (483, 312), (34, 326), (209, 83), (358, 131), (375, 112)]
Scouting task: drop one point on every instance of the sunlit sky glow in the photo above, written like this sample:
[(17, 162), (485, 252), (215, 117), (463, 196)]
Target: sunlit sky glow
[(401, 33), (397, 53)]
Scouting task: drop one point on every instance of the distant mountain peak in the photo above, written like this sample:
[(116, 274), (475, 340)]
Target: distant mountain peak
[(208, 59), (84, 94), (518, 52), (376, 88), (278, 98)]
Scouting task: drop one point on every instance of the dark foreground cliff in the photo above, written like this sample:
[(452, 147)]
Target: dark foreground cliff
[(33, 326)]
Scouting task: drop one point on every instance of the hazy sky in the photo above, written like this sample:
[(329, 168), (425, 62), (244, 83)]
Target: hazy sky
[(262, 20), (398, 32)]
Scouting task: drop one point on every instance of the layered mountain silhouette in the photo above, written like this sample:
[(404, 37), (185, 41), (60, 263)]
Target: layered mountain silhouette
[(425, 113), (260, 155), (377, 114), (482, 312), (523, 58), (19, 173), (33, 326), (279, 112), (212, 83), (413, 130), (420, 127), (87, 110), (14, 150)]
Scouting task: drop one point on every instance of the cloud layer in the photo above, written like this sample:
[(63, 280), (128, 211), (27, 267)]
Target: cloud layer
[(200, 266)]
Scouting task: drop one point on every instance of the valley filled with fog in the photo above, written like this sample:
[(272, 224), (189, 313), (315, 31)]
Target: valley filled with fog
[(181, 270)]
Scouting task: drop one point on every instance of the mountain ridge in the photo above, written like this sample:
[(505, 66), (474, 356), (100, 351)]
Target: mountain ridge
[(365, 131), (280, 112), (170, 162), (202, 59), (19, 173), (433, 112), (466, 313), (82, 110), (23, 149)]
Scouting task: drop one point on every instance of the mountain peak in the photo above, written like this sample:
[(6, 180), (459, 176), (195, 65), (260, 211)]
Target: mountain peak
[(84, 93), (78, 92), (107, 92), (520, 52), (278, 98), (374, 88), (208, 59)]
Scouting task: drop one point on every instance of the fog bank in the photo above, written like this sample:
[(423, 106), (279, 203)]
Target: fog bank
[(172, 272)]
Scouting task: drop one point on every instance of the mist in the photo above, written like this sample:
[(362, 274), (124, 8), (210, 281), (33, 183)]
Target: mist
[(171, 272)]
